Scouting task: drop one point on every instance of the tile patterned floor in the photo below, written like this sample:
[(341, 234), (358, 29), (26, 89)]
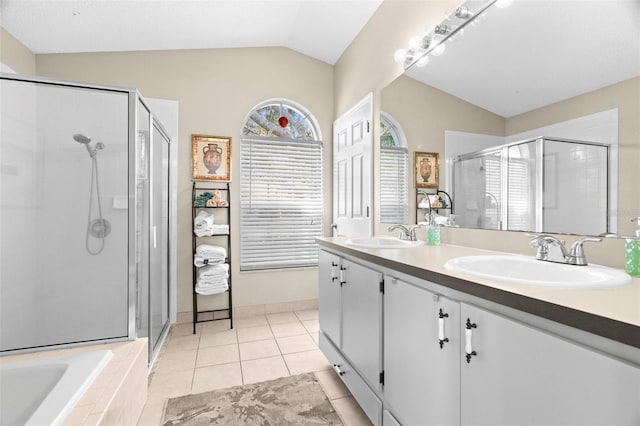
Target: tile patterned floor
[(258, 348)]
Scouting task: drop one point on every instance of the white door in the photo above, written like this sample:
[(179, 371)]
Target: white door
[(352, 170)]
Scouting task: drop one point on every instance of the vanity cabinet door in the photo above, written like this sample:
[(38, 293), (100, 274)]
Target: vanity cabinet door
[(421, 376), (329, 296), (522, 375), (361, 320)]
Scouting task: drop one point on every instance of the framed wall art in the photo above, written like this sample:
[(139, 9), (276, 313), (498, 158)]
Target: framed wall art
[(211, 157), (426, 169)]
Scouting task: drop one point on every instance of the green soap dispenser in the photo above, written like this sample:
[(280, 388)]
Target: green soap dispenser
[(632, 252)]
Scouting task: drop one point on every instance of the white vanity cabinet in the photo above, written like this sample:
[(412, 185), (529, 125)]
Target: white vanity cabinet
[(522, 375), (451, 358), (350, 305), (421, 355)]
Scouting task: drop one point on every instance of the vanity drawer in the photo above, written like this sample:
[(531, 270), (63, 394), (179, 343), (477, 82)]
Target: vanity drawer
[(366, 398)]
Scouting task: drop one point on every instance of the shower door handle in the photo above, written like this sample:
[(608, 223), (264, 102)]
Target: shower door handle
[(154, 237)]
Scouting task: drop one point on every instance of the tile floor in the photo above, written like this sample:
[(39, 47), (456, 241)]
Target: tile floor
[(258, 348)]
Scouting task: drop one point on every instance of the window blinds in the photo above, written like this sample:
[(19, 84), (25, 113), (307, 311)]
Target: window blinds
[(280, 203), (393, 185)]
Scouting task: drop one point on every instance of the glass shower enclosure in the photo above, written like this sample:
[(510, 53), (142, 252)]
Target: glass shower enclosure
[(543, 184), (84, 216)]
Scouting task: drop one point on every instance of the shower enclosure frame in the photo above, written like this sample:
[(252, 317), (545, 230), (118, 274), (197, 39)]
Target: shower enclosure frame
[(133, 97), (539, 141)]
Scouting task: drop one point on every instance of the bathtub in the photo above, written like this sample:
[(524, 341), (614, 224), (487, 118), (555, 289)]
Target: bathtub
[(43, 391)]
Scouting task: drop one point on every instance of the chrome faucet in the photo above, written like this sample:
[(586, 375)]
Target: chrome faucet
[(406, 234), (551, 249)]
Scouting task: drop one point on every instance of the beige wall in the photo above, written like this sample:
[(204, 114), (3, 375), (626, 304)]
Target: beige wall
[(215, 90), (15, 55)]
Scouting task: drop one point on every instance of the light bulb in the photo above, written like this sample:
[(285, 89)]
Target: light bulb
[(399, 55), (423, 61), (438, 50)]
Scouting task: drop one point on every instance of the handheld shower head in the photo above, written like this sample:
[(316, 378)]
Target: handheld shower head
[(86, 141), (81, 138)]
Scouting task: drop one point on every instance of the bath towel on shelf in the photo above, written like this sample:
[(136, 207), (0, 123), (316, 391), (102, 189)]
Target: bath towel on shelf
[(219, 229), (213, 279), (203, 220), (211, 250), (214, 272), (204, 224), (207, 289), (207, 254)]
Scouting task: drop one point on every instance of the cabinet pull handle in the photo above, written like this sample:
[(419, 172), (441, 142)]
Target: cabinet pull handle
[(441, 339), (467, 334), (336, 367), (342, 280), (333, 271)]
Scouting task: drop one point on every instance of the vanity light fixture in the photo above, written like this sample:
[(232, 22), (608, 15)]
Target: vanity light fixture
[(463, 12), (433, 41)]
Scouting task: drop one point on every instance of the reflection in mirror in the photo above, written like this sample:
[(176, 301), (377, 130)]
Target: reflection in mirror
[(393, 171), (529, 71), (537, 185)]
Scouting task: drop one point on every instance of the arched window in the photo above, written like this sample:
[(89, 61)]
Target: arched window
[(394, 158), (280, 187)]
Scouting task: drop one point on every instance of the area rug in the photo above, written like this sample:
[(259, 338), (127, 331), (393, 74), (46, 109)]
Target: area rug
[(295, 400)]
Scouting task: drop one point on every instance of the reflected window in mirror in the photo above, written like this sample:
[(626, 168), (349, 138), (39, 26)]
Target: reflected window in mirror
[(394, 175)]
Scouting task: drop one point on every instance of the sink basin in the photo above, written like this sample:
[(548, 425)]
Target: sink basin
[(523, 270), (382, 242)]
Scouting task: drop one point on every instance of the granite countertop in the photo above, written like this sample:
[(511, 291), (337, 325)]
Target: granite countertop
[(613, 313)]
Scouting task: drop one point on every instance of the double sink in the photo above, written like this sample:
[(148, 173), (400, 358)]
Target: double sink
[(515, 270)]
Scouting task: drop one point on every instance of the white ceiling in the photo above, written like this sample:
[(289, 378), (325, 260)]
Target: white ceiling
[(537, 52), (322, 29)]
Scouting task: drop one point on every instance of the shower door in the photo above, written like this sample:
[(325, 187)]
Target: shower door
[(159, 238), (63, 214), (152, 216)]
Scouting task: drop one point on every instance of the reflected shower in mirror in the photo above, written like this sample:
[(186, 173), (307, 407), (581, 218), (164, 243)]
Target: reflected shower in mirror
[(542, 185), (530, 70)]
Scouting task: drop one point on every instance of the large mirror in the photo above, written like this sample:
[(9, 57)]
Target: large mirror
[(549, 88)]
